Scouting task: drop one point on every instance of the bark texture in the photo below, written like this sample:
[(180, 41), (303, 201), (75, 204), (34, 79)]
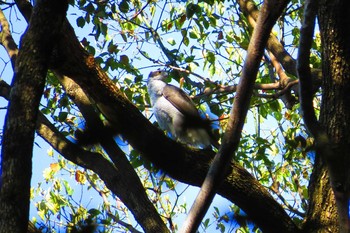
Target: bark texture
[(334, 19), (28, 84), (322, 213)]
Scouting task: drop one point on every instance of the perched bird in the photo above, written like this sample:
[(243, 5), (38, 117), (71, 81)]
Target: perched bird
[(176, 113)]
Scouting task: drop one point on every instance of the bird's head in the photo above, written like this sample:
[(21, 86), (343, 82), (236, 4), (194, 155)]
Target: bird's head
[(158, 75)]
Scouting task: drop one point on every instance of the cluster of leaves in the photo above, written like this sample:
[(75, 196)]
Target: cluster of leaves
[(58, 106), (62, 204)]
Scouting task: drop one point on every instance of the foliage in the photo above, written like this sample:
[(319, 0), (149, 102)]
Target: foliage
[(207, 39)]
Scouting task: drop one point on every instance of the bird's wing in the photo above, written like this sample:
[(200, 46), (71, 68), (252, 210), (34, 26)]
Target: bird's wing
[(180, 100)]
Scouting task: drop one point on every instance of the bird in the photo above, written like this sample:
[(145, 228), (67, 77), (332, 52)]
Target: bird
[(177, 114)]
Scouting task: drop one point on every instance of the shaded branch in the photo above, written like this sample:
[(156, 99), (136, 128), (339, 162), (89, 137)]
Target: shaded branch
[(130, 190), (284, 80), (269, 13), (282, 92), (6, 39), (108, 209), (182, 163), (304, 71), (251, 12)]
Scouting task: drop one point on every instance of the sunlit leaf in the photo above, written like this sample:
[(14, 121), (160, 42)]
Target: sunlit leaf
[(80, 177), (171, 41)]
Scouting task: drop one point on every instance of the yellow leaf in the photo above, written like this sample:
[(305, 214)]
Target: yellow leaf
[(80, 177), (55, 167)]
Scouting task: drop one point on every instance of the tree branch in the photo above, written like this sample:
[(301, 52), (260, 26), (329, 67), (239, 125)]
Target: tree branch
[(6, 39), (251, 11), (106, 203), (130, 190), (112, 175), (269, 13), (304, 71)]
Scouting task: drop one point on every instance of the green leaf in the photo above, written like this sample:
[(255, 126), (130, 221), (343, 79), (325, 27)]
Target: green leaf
[(62, 116), (210, 2), (171, 41), (68, 189), (124, 6), (189, 59), (192, 9), (90, 8), (80, 21), (94, 212), (193, 35), (210, 56), (125, 39), (206, 223), (212, 70), (186, 41)]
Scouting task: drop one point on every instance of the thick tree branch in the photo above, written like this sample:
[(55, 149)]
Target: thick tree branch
[(137, 206), (130, 190), (251, 12), (304, 71), (119, 179), (143, 210), (148, 217), (28, 85), (6, 39), (260, 202), (269, 13)]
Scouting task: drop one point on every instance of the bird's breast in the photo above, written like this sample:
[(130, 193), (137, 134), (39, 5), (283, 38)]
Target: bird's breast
[(165, 112), (155, 89)]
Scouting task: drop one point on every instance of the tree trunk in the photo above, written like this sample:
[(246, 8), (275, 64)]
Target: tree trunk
[(334, 19), (28, 85), (321, 215)]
